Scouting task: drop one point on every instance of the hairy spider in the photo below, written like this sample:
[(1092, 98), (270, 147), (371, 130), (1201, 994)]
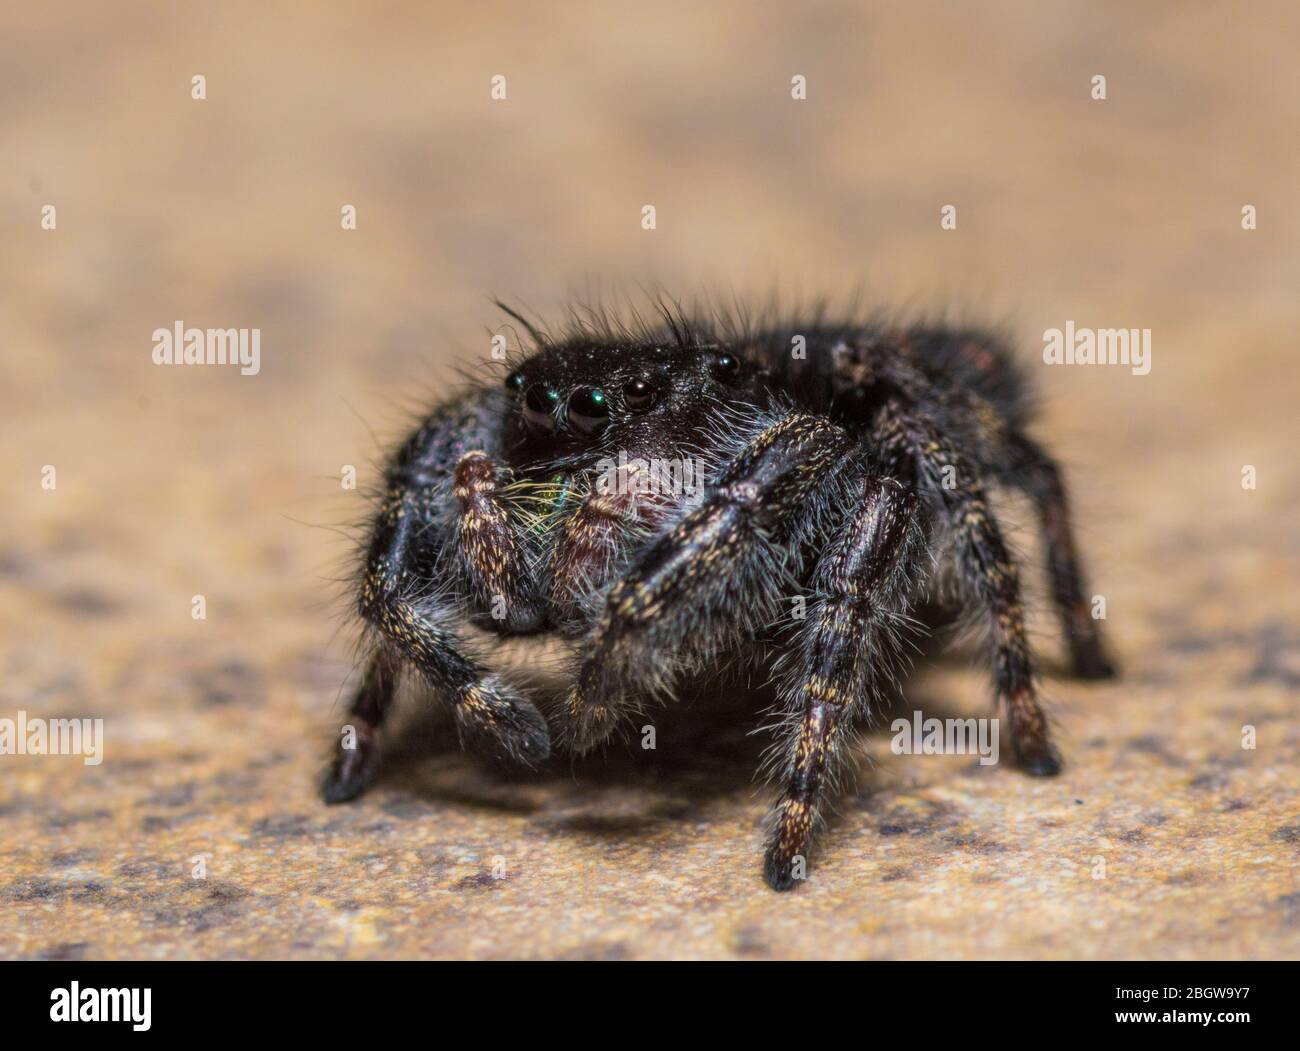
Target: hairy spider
[(837, 469)]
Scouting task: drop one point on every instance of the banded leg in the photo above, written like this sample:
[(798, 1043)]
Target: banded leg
[(490, 715), (1040, 478), (491, 550), (357, 755), (708, 582), (846, 647), (986, 569), (1007, 451)]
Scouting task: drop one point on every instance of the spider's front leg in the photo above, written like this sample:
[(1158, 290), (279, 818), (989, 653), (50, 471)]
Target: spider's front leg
[(715, 576), (845, 649), (415, 622), (355, 762)]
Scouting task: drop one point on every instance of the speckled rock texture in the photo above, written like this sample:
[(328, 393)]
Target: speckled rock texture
[(1164, 836)]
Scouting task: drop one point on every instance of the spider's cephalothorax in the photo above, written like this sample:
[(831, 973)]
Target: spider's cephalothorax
[(664, 498)]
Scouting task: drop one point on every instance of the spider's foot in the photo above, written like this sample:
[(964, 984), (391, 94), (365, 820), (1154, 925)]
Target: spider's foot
[(785, 865), (352, 770), (1031, 740), (495, 720), (1091, 662), (589, 723), (1038, 758), (781, 870)]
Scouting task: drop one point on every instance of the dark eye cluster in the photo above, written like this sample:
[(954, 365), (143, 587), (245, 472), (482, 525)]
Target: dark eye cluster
[(587, 410)]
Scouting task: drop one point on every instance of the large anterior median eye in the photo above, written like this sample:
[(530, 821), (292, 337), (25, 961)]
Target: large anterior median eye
[(589, 410), (638, 395), (539, 406)]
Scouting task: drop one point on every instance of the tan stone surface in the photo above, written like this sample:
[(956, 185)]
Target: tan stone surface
[(173, 482)]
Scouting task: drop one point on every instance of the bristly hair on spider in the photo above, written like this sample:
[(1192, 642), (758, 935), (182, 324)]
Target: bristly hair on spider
[(846, 464)]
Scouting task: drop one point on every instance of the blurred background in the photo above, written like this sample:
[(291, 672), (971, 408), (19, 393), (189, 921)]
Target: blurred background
[(172, 482)]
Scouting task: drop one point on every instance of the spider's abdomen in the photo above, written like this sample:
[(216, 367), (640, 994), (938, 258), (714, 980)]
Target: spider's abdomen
[(847, 371)]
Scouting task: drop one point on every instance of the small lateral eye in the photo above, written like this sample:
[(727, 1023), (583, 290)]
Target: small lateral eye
[(539, 406), (638, 395), (589, 410), (728, 367), (515, 382)]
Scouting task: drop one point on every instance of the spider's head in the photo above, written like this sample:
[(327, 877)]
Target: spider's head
[(578, 396)]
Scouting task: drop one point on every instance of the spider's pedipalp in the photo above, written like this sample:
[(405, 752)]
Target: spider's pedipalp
[(492, 549)]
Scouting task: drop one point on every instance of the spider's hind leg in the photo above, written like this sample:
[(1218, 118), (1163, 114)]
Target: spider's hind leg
[(985, 568), (1040, 478), (843, 653)]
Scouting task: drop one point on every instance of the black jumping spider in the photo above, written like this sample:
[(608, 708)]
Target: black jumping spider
[(841, 467)]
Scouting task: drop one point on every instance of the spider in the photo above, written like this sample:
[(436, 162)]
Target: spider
[(840, 472)]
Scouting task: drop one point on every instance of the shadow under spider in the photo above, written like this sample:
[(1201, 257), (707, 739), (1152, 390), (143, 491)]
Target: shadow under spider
[(706, 749)]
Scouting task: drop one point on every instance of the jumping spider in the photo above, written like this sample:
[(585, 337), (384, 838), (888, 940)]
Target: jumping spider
[(844, 465)]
